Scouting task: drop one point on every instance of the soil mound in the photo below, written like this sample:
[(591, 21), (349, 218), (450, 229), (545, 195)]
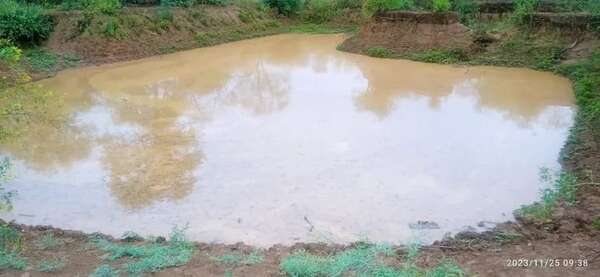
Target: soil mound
[(403, 31)]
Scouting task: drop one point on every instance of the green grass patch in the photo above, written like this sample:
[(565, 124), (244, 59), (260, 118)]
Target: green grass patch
[(596, 224), (11, 243), (105, 271), (379, 52), (51, 265), (362, 260), (236, 260), (313, 28), (149, 257), (48, 241), (560, 186), (438, 56), (40, 60)]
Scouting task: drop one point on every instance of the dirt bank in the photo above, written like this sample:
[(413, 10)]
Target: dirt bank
[(402, 31)]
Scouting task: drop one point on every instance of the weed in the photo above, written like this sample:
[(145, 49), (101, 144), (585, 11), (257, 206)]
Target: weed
[(23, 23), (113, 29), (48, 241), (371, 7), (312, 28), (596, 224), (150, 257), (379, 52), (108, 7), (285, 7), (362, 260), (441, 5), (235, 260), (466, 10), (41, 60), (318, 11), (560, 185), (5, 199), (105, 271), (507, 236), (523, 10), (12, 260), (438, 56), (51, 265)]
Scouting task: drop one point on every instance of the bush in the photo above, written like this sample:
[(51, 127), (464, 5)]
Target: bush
[(109, 7), (9, 53), (285, 7), (372, 6), (441, 5), (523, 9), (348, 4), (466, 9), (23, 23), (318, 11)]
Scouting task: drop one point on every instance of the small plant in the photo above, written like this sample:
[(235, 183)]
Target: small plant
[(379, 52), (113, 29), (285, 7), (105, 271), (371, 7), (48, 241), (523, 10), (177, 3), (150, 257), (23, 23), (51, 265), (466, 10), (108, 7), (235, 260), (561, 185), (41, 60), (596, 224), (441, 5), (438, 56), (12, 260)]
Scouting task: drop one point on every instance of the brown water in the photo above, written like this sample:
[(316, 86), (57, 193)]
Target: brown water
[(284, 139)]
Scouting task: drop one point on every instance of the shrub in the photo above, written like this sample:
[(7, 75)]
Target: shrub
[(372, 6), (466, 9), (285, 7), (23, 23), (109, 7), (348, 4), (441, 5), (318, 11), (9, 53), (523, 9)]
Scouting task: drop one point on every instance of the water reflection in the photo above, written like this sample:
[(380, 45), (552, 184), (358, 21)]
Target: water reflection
[(245, 140)]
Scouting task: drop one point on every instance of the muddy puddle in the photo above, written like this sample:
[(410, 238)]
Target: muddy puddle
[(284, 139)]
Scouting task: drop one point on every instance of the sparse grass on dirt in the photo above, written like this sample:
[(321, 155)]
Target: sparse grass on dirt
[(362, 260), (560, 186), (48, 242), (105, 271), (379, 52), (149, 256), (438, 56), (53, 265), (11, 243)]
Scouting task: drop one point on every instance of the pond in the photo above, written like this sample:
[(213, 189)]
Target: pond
[(284, 139)]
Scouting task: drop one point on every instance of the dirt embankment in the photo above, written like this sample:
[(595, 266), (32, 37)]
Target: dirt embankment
[(402, 31)]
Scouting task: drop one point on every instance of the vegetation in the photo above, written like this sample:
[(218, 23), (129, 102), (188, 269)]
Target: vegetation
[(51, 265), (236, 260), (23, 23), (10, 246), (149, 257), (596, 224), (105, 271), (523, 10), (440, 56), (466, 10), (561, 186), (285, 7), (5, 196), (441, 5), (362, 260), (379, 52), (48, 241), (370, 7)]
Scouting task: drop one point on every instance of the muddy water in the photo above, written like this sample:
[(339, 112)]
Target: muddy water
[(284, 139)]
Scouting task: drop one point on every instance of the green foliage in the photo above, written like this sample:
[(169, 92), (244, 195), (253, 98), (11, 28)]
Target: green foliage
[(466, 9), (379, 52), (5, 198), (41, 60), (9, 53), (108, 7), (48, 241), (438, 56), (348, 4), (235, 260), (362, 260), (318, 11), (560, 186), (441, 5), (10, 244), (312, 28), (596, 224), (285, 7), (23, 23), (150, 257), (114, 29), (105, 271), (51, 265), (177, 3), (523, 10), (371, 7)]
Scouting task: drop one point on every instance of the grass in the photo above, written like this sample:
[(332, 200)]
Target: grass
[(440, 56), (105, 271), (362, 260), (51, 265), (48, 241), (236, 260), (11, 243), (379, 52), (560, 186), (596, 224), (313, 28), (40, 60), (149, 257)]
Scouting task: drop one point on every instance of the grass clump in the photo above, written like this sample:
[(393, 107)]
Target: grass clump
[(561, 186), (105, 271), (10, 245), (371, 7), (235, 260), (596, 224), (149, 257), (523, 10), (41, 60), (48, 241), (441, 5), (438, 56), (51, 265), (362, 260), (379, 52)]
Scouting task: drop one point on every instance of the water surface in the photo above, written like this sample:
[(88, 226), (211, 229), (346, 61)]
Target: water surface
[(284, 139)]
